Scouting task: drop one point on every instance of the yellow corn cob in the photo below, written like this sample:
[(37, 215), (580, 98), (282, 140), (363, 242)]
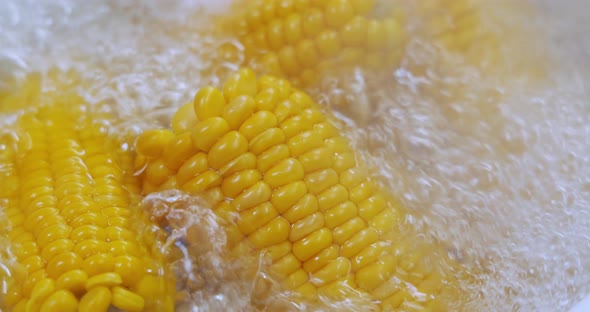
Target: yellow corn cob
[(302, 39), (263, 150), (67, 190)]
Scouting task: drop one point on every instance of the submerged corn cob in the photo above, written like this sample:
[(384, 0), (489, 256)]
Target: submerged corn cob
[(264, 152), (302, 40), (67, 189)]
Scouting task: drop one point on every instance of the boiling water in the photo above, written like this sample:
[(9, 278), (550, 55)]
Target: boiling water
[(495, 163)]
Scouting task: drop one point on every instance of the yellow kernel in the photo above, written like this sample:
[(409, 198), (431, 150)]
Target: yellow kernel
[(243, 162), (354, 32), (359, 241), (306, 226), (341, 213), (256, 217), (272, 156), (385, 220), (285, 7), (191, 168), (60, 301), (334, 270), (96, 299), (295, 279), (288, 195), (85, 232), (42, 290), (206, 133), (285, 266), (316, 159), (304, 142), (258, 123), (275, 252), (34, 218), (393, 33), (267, 139), (361, 192), (126, 300), (312, 244), (321, 259), (376, 35), (337, 144), (267, 10), (120, 221), (98, 263), (304, 207), (202, 182), (343, 161), (287, 108), (32, 280), (332, 196), (56, 247), (285, 172), (254, 19), (370, 277), (345, 231), (33, 263), (151, 143), (74, 281), (313, 22), (238, 110), (371, 206), (273, 233), (320, 180), (295, 125), (88, 219), (62, 263), (338, 12), (293, 29), (119, 233), (90, 247), (362, 7), (275, 34), (307, 53), (129, 268), (252, 196), (270, 62), (353, 177), (52, 233), (104, 279), (328, 43), (288, 60), (178, 150), (370, 254), (233, 185), (26, 249), (266, 101), (229, 147), (302, 5), (184, 118), (208, 103)]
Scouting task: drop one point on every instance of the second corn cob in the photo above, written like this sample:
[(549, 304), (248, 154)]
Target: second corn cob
[(289, 187), (67, 190), (303, 40)]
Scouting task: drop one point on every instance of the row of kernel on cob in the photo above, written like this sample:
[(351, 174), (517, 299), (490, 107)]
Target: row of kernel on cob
[(303, 40), (69, 192), (290, 189)]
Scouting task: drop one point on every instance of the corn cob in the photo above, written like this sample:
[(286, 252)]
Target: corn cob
[(302, 40), (262, 150), (67, 190)]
